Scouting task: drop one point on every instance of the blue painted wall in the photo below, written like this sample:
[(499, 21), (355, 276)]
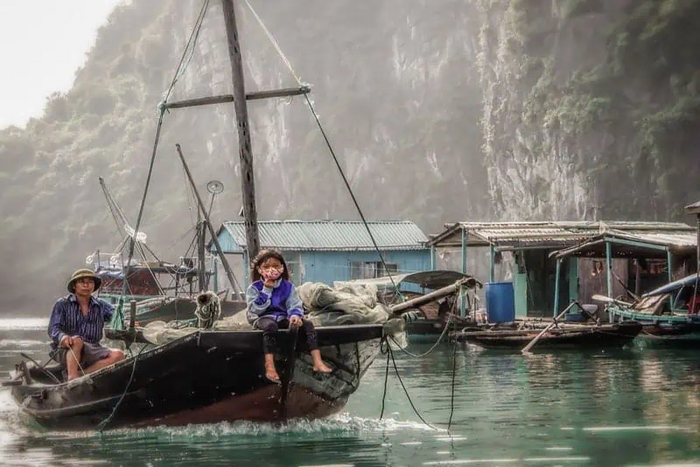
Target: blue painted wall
[(329, 266)]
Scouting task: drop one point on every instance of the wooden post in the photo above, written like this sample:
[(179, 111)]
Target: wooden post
[(556, 287), (608, 264), (215, 273), (201, 272), (669, 264), (462, 301), (244, 144), (492, 268), (132, 314)]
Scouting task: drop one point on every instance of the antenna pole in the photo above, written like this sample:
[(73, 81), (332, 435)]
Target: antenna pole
[(222, 256), (245, 152)]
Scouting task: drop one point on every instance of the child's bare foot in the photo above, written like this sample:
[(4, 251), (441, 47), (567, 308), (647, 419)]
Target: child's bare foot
[(321, 367), (272, 376)]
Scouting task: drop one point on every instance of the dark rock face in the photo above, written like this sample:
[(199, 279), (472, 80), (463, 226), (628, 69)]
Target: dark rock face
[(438, 111)]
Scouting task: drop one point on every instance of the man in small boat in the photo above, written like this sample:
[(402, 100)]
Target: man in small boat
[(76, 326)]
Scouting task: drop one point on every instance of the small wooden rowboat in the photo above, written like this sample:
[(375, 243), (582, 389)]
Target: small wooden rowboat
[(563, 337)]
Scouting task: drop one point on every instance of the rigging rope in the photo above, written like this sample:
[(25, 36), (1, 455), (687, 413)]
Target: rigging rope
[(118, 318), (328, 144), (101, 426), (189, 50)]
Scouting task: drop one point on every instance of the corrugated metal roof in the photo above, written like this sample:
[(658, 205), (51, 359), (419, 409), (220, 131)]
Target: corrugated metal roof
[(332, 235), (632, 244), (555, 233), (693, 208)]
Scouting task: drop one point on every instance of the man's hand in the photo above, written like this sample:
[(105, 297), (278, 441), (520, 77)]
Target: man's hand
[(69, 341), (295, 321)]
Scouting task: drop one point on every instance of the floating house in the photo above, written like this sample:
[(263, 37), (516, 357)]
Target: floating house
[(524, 254), (331, 250)]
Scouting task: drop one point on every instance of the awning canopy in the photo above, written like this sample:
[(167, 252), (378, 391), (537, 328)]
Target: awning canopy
[(632, 245), (554, 235), (673, 286)]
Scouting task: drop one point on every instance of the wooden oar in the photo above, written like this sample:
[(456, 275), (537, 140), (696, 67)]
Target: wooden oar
[(527, 348), (604, 299)]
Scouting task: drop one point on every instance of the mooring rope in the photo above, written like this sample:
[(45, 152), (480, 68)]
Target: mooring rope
[(182, 65), (405, 390), (386, 378), (101, 426), (444, 332)]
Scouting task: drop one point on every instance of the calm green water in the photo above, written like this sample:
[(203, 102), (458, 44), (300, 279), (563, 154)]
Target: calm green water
[(632, 407)]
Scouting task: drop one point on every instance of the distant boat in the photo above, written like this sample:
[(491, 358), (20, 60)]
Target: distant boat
[(427, 321), (563, 337), (163, 291), (665, 313)]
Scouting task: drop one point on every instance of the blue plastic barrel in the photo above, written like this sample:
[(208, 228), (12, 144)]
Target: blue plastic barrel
[(500, 302)]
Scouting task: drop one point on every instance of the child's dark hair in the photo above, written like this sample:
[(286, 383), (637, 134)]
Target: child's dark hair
[(264, 255)]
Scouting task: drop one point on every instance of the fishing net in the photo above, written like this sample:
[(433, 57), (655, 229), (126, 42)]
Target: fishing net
[(343, 304)]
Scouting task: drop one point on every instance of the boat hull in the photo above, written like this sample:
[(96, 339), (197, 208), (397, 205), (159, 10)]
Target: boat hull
[(579, 337), (207, 377), (673, 331)]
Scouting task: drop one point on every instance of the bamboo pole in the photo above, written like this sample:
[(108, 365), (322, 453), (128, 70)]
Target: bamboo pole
[(224, 261), (527, 348), (226, 98), (427, 298)]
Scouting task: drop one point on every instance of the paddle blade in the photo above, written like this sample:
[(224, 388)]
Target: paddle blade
[(602, 298)]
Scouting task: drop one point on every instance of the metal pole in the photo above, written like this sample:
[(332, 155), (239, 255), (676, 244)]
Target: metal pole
[(608, 263), (492, 269), (215, 273), (669, 263), (224, 261), (201, 273), (432, 257), (244, 144), (464, 251), (556, 288)]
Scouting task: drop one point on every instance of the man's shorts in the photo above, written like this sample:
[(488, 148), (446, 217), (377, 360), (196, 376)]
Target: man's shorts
[(92, 353)]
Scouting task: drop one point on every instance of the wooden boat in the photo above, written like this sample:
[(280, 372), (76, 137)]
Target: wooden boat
[(427, 322), (665, 314), (163, 291), (204, 377), (562, 337)]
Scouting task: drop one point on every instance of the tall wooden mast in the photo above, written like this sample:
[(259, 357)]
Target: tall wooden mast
[(245, 152)]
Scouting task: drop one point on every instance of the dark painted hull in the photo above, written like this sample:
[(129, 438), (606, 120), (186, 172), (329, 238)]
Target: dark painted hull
[(672, 331), (207, 377), (580, 337), (677, 336)]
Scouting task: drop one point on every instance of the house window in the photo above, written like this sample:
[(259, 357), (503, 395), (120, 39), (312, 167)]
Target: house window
[(371, 269)]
